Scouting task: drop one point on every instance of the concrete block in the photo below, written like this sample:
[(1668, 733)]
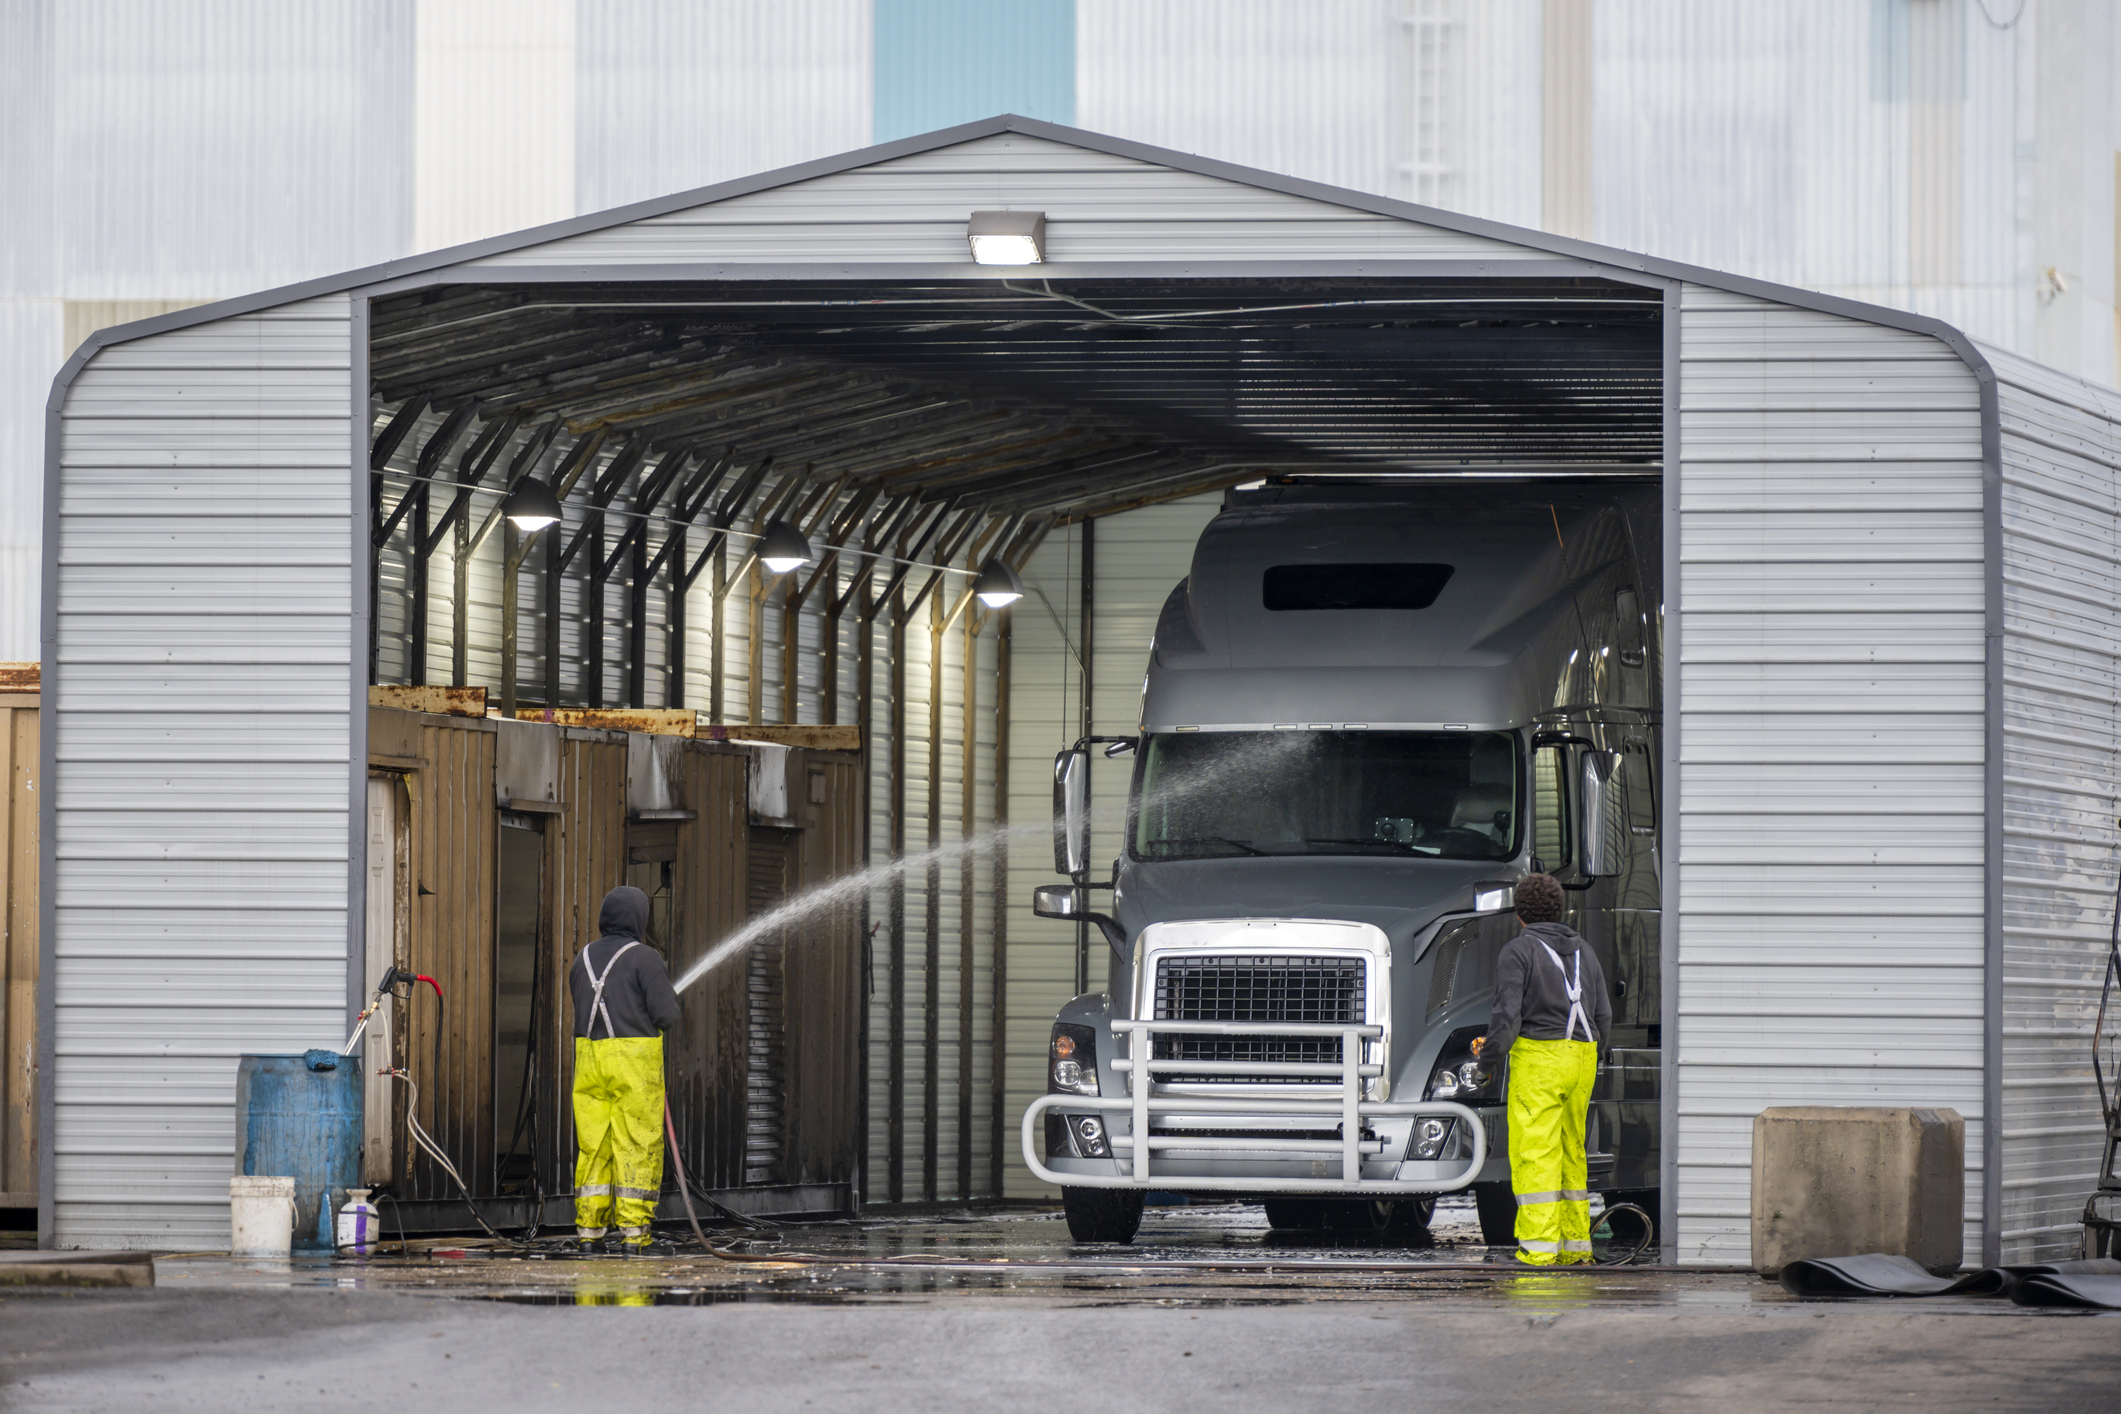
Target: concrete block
[(1838, 1182)]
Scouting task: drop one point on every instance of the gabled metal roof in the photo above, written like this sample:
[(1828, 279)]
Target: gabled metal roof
[(1064, 391)]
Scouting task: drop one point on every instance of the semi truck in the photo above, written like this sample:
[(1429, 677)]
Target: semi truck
[(1369, 710)]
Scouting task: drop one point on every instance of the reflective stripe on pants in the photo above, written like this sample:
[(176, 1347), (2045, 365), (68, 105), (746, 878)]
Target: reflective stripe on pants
[(618, 1130), (1549, 1100)]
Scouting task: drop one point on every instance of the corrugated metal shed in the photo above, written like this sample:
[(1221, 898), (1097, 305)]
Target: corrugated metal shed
[(201, 617), (1838, 562), (1830, 926), (2060, 582)]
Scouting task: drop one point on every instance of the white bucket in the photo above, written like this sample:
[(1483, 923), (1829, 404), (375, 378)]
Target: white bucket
[(261, 1216)]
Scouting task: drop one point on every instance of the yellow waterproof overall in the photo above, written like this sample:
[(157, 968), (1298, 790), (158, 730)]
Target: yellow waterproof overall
[(618, 1125), (1549, 1101)]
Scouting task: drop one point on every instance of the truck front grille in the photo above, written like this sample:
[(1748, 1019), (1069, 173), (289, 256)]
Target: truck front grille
[(1265, 989)]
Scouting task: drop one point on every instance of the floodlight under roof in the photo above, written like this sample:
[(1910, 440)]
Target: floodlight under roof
[(998, 586), (784, 548), (532, 506), (1008, 237)]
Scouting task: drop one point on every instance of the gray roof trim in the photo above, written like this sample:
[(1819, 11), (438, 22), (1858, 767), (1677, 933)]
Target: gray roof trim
[(470, 254), (818, 272)]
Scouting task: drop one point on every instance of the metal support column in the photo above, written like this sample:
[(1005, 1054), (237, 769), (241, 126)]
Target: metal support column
[(896, 1012), (1087, 630), (931, 922)]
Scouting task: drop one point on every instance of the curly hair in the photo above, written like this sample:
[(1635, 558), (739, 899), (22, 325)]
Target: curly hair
[(1539, 898)]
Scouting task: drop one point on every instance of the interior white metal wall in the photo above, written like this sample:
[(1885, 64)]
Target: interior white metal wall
[(200, 732), (1138, 557), (1831, 831), (2061, 571)]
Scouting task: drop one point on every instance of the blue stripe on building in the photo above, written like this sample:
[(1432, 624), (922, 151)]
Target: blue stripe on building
[(940, 62)]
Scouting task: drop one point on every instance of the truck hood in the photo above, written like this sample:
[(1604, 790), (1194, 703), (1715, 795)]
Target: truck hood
[(1399, 896)]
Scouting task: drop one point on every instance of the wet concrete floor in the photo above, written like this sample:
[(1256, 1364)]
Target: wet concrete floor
[(1207, 1310), (1211, 1255)]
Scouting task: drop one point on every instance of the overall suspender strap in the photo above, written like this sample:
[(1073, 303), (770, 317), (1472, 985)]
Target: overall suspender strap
[(596, 989), (1574, 987)]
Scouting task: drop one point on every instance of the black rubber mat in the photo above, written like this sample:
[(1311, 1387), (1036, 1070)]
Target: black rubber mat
[(1882, 1274), (2099, 1288)]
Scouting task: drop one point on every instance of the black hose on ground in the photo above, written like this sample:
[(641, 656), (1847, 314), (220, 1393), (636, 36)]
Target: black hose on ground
[(670, 1130), (1649, 1235)]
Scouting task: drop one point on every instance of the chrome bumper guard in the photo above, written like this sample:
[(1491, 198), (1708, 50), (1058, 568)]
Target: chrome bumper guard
[(1348, 1107)]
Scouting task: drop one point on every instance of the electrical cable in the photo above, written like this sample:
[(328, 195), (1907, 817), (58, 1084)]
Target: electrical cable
[(420, 1137), (2108, 1101)]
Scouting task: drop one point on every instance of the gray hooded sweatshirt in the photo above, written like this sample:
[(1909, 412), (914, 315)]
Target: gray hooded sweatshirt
[(1531, 998), (638, 996)]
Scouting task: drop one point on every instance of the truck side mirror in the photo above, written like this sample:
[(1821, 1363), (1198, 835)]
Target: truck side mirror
[(1067, 901), (1603, 823), (1056, 901), (1071, 812)]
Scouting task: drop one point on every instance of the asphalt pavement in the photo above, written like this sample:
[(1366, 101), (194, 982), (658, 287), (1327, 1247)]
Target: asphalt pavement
[(1207, 1311)]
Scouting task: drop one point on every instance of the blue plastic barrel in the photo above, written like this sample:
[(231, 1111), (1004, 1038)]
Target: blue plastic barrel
[(300, 1117)]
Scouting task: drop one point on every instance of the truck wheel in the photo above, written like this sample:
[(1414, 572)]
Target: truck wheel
[(1103, 1214), (1497, 1206), (1400, 1217), (1295, 1214)]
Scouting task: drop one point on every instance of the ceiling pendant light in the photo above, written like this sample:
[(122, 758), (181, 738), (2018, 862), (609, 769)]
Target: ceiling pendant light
[(998, 586), (784, 548), (531, 505)]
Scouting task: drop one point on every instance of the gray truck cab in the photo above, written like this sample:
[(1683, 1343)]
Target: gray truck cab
[(1369, 711)]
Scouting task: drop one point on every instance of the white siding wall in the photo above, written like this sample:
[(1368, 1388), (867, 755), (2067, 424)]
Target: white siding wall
[(200, 723), (2061, 681), (1831, 714), (1098, 207), (1140, 555)]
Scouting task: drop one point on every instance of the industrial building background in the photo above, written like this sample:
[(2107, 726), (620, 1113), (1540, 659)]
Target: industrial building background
[(1590, 120), (1957, 158)]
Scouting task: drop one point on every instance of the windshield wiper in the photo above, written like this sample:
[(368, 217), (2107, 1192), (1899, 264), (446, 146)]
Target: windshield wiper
[(1400, 845), (1243, 845)]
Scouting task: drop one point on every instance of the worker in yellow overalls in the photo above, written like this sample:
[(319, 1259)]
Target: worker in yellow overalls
[(1552, 1023), (623, 1003)]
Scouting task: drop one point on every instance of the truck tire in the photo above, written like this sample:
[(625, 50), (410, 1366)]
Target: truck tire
[(1388, 1217), (1497, 1206), (1103, 1214)]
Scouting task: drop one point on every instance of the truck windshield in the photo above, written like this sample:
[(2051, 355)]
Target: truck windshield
[(1443, 795)]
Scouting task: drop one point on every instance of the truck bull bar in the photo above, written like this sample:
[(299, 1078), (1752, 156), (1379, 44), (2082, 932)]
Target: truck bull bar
[(1349, 1107)]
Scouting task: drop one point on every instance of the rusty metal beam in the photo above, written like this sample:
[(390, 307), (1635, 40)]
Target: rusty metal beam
[(431, 455), (907, 555)]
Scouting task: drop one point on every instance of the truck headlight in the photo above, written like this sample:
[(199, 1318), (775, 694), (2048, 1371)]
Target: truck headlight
[(1071, 1064), (1089, 1135), (1460, 1075), (1430, 1136)]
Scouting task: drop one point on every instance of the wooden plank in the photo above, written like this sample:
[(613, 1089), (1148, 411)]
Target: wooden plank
[(18, 950), (454, 842), (811, 738), (437, 701), (653, 721), (587, 848), (825, 1000)]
